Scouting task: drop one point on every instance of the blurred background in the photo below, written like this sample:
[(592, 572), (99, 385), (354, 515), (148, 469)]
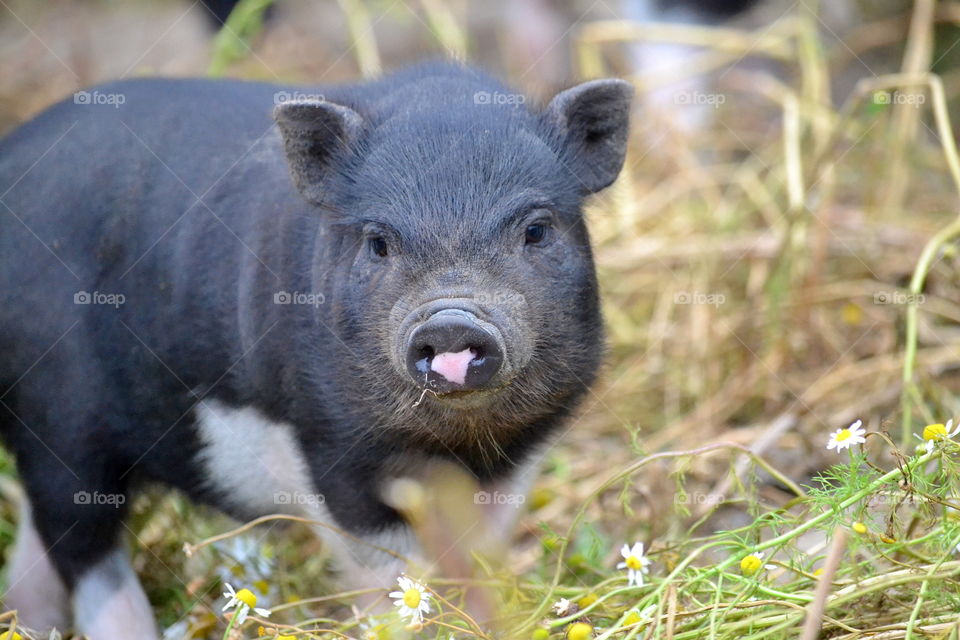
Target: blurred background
[(755, 256)]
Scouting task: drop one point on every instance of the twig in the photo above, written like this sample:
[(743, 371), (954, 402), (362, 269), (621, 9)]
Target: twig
[(816, 609)]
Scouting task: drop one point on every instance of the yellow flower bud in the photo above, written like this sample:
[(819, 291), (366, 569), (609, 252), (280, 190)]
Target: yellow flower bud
[(587, 600), (579, 631), (751, 564), (632, 618)]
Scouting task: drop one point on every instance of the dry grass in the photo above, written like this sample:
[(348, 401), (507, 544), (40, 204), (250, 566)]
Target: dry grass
[(762, 284)]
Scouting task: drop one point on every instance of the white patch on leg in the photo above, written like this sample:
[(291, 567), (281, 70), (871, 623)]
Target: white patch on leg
[(109, 603), (259, 464), (255, 461), (35, 589)]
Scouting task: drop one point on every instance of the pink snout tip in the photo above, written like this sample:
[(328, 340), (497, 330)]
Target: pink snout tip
[(453, 366)]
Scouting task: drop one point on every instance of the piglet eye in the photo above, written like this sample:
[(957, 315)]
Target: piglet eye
[(379, 246), (535, 233)]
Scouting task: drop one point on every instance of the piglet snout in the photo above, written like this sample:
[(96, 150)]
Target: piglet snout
[(453, 351)]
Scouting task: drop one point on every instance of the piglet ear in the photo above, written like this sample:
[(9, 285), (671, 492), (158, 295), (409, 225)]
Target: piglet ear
[(593, 119), (314, 132)]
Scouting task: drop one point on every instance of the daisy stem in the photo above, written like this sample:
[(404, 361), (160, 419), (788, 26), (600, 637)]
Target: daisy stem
[(774, 593), (233, 618), (717, 597), (559, 622), (923, 590)]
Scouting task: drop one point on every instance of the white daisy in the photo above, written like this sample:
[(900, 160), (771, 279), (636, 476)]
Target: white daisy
[(247, 552), (934, 433), (635, 563), (373, 628), (846, 438), (412, 600), (245, 601), (752, 564)]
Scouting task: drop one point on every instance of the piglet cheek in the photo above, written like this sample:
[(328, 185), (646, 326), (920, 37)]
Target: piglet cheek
[(452, 366)]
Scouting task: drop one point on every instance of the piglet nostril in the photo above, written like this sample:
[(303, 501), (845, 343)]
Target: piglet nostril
[(422, 359)]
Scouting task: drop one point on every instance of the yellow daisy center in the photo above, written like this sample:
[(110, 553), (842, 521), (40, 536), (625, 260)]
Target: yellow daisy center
[(859, 527), (934, 432), (411, 598), (633, 562), (10, 635), (246, 597), (843, 435), (632, 618), (579, 631), (750, 565)]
